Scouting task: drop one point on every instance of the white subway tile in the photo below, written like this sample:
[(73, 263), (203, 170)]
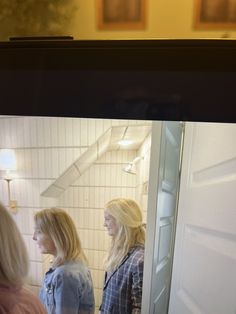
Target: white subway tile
[(84, 132), (92, 136), (76, 131)]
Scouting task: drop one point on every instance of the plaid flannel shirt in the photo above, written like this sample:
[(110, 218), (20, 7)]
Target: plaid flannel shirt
[(122, 291)]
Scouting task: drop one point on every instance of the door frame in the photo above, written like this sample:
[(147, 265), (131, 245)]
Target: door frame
[(152, 212)]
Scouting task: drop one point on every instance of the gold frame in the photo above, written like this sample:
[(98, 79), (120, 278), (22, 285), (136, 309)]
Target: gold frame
[(121, 14), (215, 14)]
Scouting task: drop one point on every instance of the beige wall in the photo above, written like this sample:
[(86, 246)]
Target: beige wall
[(165, 19)]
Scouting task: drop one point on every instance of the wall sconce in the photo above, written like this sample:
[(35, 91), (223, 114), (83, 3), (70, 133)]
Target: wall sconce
[(7, 164), (131, 166)]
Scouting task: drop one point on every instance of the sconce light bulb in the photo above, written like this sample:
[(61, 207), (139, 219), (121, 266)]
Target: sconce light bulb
[(7, 159)]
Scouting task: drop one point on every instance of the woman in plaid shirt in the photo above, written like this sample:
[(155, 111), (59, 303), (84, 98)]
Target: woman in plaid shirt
[(122, 291)]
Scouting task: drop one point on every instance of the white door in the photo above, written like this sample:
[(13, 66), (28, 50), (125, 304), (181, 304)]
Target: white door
[(204, 269), (161, 215)]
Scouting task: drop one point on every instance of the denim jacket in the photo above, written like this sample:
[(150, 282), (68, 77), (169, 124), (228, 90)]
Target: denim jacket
[(68, 289)]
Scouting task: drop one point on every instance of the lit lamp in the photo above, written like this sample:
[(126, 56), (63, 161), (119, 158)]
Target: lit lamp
[(8, 164)]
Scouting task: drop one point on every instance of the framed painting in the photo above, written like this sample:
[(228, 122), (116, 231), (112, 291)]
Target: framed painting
[(215, 14), (121, 14)]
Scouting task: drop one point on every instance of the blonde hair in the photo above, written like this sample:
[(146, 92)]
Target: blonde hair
[(60, 228), (14, 262), (128, 216)]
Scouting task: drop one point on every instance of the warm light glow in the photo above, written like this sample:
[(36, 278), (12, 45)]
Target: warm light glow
[(7, 159), (125, 142)]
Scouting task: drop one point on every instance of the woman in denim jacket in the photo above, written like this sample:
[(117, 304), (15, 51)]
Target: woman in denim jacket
[(67, 286), (122, 291)]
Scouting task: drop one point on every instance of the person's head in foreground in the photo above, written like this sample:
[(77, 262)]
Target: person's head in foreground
[(14, 267)]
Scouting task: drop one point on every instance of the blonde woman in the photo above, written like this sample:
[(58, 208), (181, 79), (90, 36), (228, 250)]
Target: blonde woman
[(122, 292), (14, 265), (67, 286)]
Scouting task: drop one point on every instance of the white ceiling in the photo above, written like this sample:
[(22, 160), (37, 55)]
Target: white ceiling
[(135, 133), (108, 141)]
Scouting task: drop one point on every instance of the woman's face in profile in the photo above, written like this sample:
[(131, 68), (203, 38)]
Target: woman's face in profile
[(44, 243), (110, 223)]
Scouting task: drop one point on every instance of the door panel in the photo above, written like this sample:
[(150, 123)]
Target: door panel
[(204, 272), (162, 200)]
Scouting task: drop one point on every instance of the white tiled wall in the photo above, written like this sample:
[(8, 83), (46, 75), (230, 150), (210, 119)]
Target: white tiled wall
[(44, 148)]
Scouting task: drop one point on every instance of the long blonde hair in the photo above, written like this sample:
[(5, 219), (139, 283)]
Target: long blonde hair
[(128, 216), (60, 228), (14, 262)]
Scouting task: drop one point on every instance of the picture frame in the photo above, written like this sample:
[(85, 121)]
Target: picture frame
[(216, 14), (121, 14)]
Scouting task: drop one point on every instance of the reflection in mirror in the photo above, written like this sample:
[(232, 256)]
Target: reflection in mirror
[(75, 164)]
